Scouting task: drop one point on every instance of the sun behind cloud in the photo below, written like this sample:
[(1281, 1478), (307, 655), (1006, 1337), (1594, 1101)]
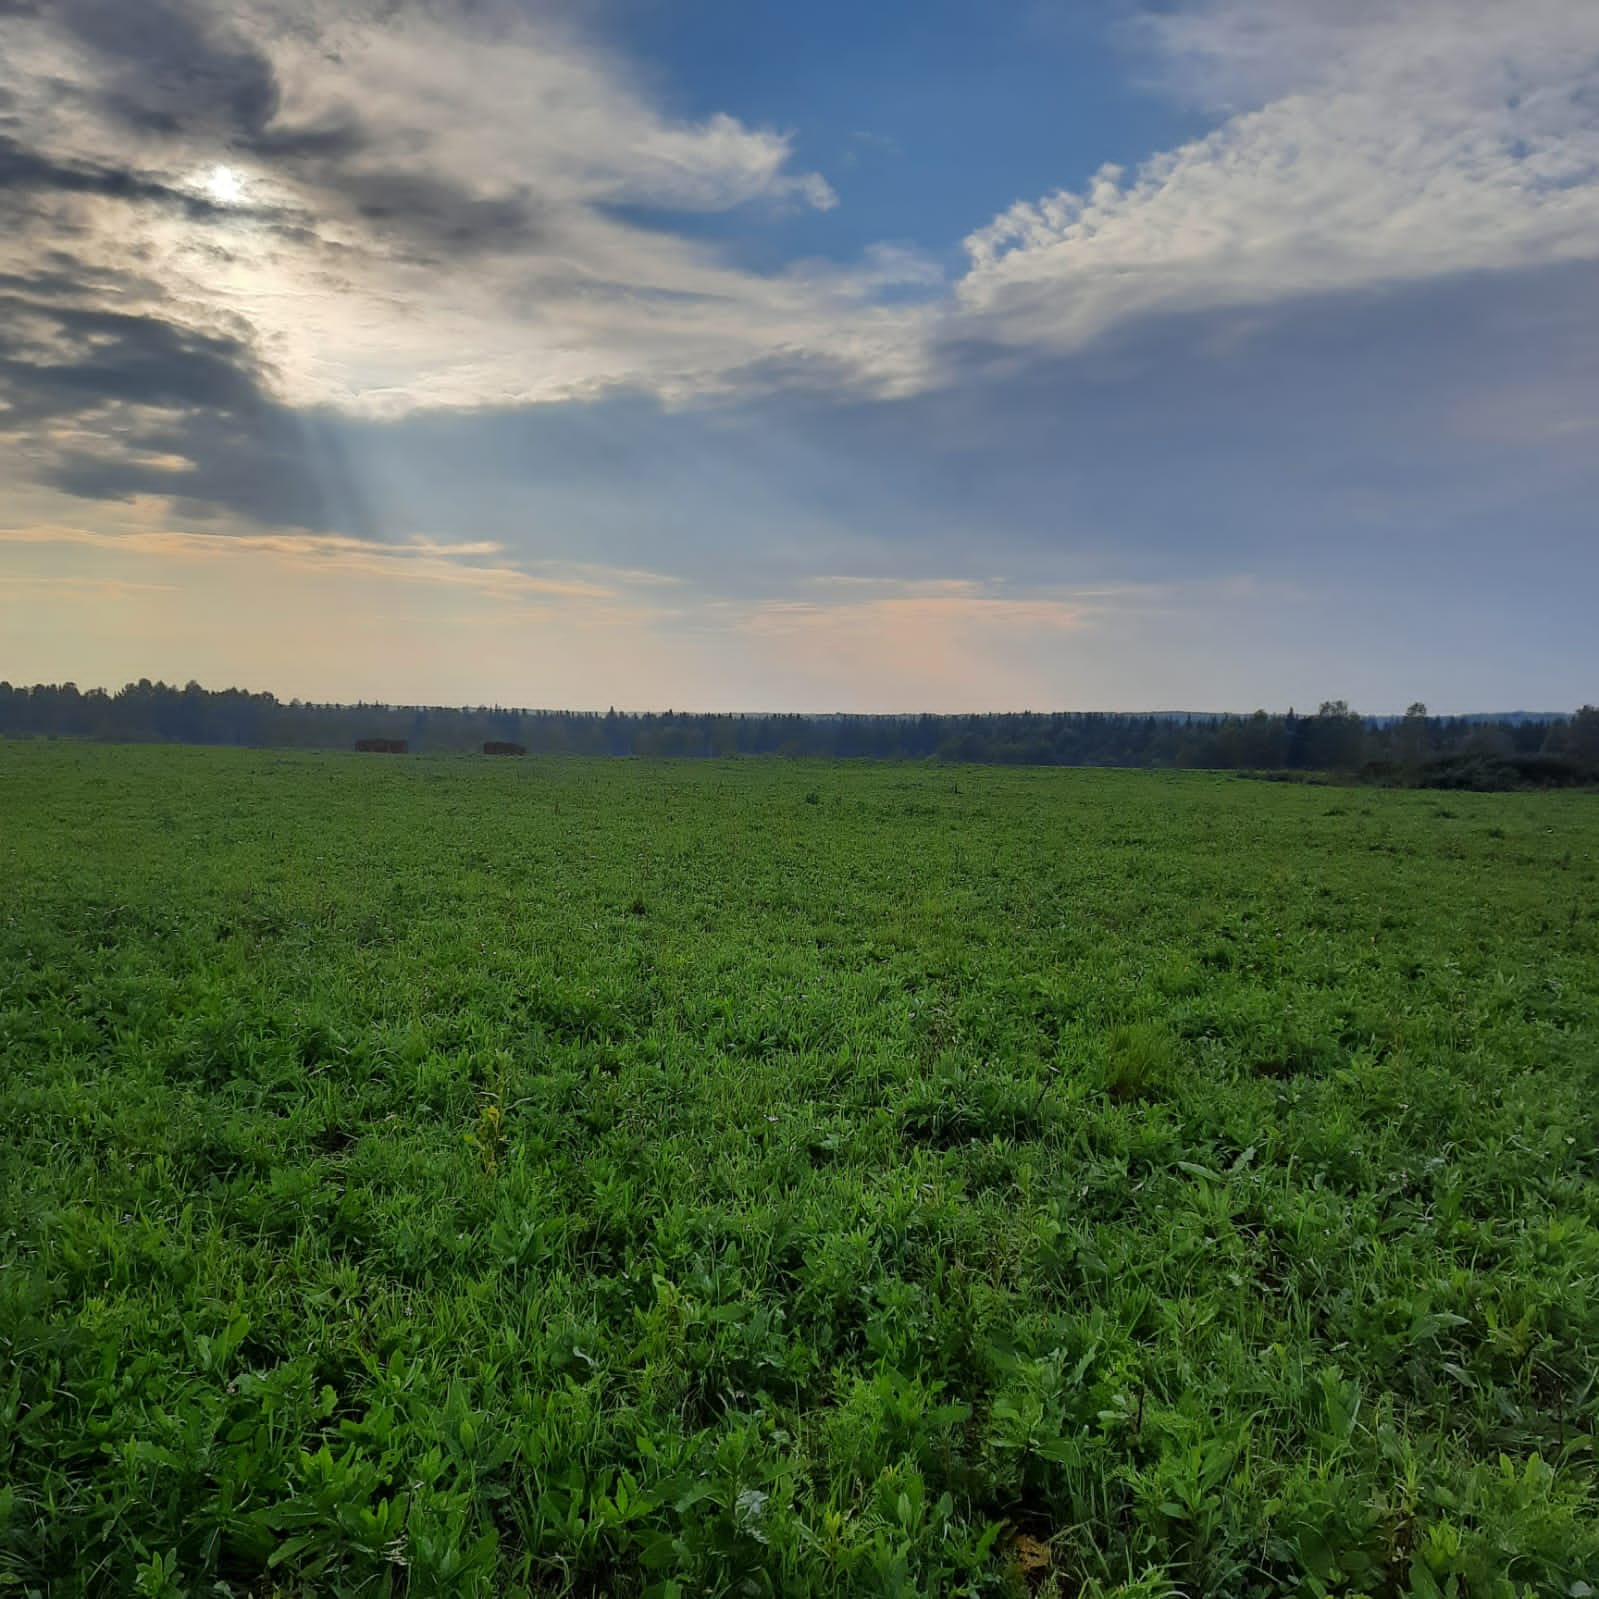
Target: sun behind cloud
[(224, 184)]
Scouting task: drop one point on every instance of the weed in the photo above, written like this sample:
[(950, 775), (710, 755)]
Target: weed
[(1138, 1060)]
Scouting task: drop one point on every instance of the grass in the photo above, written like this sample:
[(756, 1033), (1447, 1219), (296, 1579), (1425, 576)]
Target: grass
[(454, 1177)]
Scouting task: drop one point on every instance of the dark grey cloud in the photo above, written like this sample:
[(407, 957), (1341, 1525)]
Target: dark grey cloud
[(275, 467), (174, 412), (31, 171), (327, 141), (450, 246), (57, 360), (154, 399), (434, 215), (173, 68), (175, 71)]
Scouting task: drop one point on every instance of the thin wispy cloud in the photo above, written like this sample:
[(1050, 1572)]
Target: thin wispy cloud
[(84, 585), (418, 561)]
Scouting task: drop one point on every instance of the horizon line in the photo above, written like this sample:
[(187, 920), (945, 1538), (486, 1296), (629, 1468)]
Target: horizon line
[(900, 715)]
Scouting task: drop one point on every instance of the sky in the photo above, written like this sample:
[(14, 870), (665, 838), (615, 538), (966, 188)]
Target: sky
[(928, 355)]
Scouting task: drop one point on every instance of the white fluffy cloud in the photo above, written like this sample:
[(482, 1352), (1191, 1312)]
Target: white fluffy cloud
[(1364, 143)]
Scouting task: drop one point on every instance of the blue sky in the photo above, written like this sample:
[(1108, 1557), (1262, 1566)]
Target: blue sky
[(921, 115), (948, 356)]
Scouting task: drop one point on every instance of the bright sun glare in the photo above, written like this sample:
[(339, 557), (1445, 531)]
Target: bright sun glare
[(224, 185)]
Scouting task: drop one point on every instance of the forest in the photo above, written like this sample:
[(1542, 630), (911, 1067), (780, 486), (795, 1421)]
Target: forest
[(1416, 749)]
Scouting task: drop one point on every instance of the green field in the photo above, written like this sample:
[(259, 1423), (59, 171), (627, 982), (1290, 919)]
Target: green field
[(447, 1176)]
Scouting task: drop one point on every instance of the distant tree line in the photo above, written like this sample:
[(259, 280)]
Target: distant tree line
[(1464, 752)]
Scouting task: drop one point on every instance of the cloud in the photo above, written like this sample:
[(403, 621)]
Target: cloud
[(1367, 144), (959, 597), (83, 585), (24, 170), (881, 618), (955, 644), (450, 565), (432, 206), (168, 68), (105, 396), (57, 358), (434, 203)]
